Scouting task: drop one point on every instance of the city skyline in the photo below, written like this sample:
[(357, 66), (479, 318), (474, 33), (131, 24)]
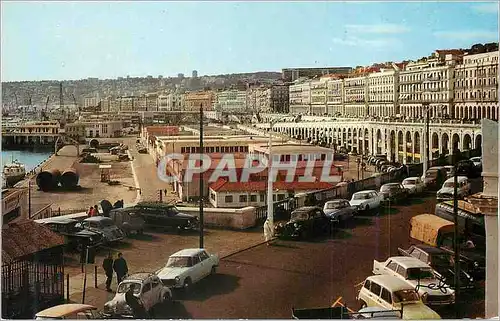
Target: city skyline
[(79, 40)]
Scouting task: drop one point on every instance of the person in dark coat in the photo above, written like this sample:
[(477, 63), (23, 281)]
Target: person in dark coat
[(107, 265), (120, 267), (133, 302)]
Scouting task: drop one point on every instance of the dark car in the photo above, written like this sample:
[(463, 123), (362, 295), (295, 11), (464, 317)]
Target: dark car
[(104, 226), (467, 168), (75, 237), (393, 192), (305, 222), (435, 177), (128, 220), (166, 215), (340, 210), (443, 262)]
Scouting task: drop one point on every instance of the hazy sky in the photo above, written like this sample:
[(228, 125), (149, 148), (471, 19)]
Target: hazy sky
[(73, 40)]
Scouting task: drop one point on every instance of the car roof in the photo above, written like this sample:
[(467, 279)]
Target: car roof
[(391, 184), (306, 209), (58, 219), (139, 276), (97, 219), (390, 282), (63, 310), (459, 179), (366, 191), (413, 177), (408, 262), (436, 167), (188, 252), (337, 200), (431, 249)]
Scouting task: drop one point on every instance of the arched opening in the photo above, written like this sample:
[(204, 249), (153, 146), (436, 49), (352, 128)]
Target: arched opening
[(467, 142), (400, 146), (455, 142), (366, 139), (435, 145), (478, 141), (445, 142), (416, 144), (379, 142), (409, 151), (392, 145), (349, 139)]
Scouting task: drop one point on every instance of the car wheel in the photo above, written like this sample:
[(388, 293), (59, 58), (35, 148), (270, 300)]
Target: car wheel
[(367, 207), (167, 297), (213, 270), (362, 304)]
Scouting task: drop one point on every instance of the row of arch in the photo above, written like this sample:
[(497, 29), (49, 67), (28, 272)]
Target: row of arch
[(399, 144), (476, 112)]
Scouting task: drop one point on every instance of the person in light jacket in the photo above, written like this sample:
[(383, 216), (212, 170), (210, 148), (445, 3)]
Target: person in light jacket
[(268, 232)]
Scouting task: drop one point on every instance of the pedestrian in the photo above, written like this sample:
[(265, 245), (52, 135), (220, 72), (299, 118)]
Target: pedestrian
[(268, 232), (120, 267), (96, 210), (90, 213), (165, 190), (135, 304), (107, 265)]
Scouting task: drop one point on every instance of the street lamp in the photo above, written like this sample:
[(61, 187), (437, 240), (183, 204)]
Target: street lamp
[(201, 178)]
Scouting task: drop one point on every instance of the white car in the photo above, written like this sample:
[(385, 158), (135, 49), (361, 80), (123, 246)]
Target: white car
[(366, 200), (148, 289), (418, 275), (446, 192), (477, 161), (187, 267), (413, 185), (389, 292)]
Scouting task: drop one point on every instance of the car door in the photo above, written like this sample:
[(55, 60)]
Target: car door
[(196, 268), (391, 268), (374, 201), (146, 297), (385, 299), (374, 295), (206, 265)]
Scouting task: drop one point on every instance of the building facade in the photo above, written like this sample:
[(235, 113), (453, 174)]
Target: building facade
[(383, 87), (279, 98), (318, 88), (476, 87), (300, 97), (335, 97), (292, 74), (193, 100), (356, 96), (231, 101)]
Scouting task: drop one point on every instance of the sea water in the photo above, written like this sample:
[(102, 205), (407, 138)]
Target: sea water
[(30, 158)]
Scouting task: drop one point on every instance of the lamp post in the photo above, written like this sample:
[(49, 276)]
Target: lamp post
[(456, 245), (201, 178)]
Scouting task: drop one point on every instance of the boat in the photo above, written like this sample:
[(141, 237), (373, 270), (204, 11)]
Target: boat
[(13, 172)]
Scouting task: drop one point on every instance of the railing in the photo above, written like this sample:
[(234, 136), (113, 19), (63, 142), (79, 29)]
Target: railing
[(44, 212)]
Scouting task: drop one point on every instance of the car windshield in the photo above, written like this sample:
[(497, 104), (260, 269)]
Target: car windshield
[(179, 261), (386, 188), (173, 211), (419, 274), (410, 182), (449, 185), (299, 215), (409, 295), (363, 196), (107, 223), (124, 286), (335, 205), (442, 260)]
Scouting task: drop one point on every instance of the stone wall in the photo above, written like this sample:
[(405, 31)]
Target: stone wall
[(233, 218)]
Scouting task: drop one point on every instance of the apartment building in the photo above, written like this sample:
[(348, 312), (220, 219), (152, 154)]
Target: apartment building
[(174, 101), (476, 87), (293, 74), (318, 88), (231, 101), (300, 97), (279, 98), (356, 96), (383, 92), (126, 103), (193, 100), (335, 96), (259, 99), (428, 82)]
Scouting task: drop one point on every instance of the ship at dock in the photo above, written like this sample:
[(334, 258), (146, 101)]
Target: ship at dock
[(13, 173)]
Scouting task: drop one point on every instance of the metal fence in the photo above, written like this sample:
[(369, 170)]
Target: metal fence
[(318, 198)]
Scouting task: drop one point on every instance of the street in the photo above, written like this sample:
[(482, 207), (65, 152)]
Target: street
[(267, 281)]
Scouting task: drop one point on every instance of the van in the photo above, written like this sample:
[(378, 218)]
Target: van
[(389, 292), (70, 311), (434, 177), (129, 220)]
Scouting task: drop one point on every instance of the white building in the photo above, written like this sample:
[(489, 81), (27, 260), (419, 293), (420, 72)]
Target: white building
[(318, 89), (102, 128), (476, 87), (355, 96), (171, 102), (383, 93), (335, 97), (259, 99), (231, 101), (300, 97)]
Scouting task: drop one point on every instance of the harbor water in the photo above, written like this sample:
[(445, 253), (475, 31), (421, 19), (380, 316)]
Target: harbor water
[(30, 158)]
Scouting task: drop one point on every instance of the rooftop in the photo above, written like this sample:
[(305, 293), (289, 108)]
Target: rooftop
[(223, 185)]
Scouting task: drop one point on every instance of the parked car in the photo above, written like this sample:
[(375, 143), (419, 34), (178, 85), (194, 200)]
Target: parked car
[(390, 292), (103, 225), (434, 177), (442, 262), (450, 170), (166, 215), (467, 168), (340, 210), (447, 191), (418, 275), (366, 200), (70, 311), (75, 236), (414, 185), (305, 222), (477, 161), (148, 289), (128, 220), (186, 267), (393, 192)]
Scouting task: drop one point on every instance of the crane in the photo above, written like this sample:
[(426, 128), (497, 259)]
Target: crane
[(74, 100), (44, 111)]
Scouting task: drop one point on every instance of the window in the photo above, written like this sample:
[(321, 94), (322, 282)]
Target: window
[(253, 198), (386, 296), (393, 266), (375, 288), (243, 198), (203, 256), (262, 197), (196, 260), (401, 271), (146, 288), (155, 283), (228, 198), (367, 284)]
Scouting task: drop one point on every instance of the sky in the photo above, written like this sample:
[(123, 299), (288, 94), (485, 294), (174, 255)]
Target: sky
[(73, 40)]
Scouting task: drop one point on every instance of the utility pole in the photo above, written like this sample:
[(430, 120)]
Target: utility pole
[(201, 178), (61, 102), (456, 245)]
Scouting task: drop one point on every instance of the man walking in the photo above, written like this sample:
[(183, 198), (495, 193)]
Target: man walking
[(107, 265), (268, 232), (120, 267)]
